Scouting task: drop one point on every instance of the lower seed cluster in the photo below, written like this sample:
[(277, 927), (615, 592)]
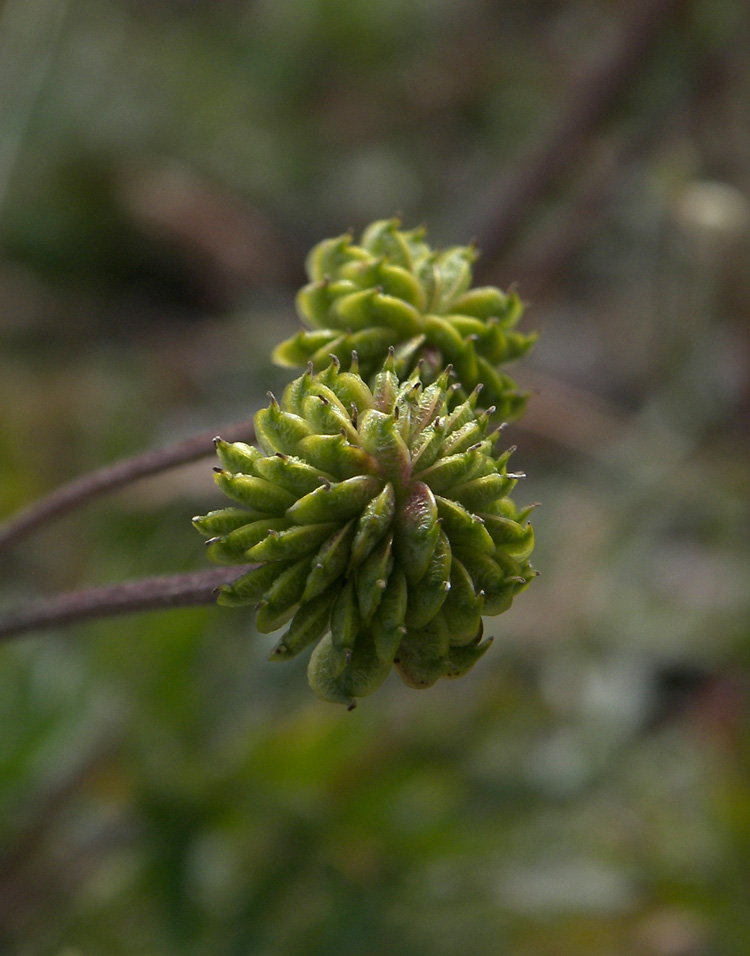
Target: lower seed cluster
[(381, 524)]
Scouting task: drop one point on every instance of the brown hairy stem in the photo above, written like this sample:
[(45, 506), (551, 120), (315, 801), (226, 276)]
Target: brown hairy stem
[(130, 597), (587, 102), (81, 490)]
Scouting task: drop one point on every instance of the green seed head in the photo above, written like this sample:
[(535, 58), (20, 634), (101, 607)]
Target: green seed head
[(393, 290), (381, 524)]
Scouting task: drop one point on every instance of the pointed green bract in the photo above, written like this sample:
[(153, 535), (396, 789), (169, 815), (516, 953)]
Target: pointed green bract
[(416, 530), (251, 586), (515, 539), (327, 416), (453, 470), (222, 521), (382, 440), (280, 600), (235, 546), (463, 606), (256, 493), (498, 587), (289, 543), (384, 238), (373, 523), (308, 625), (331, 562), (237, 456), (479, 493), (487, 302), (280, 431), (361, 675), (325, 259), (335, 502), (428, 447), (423, 658), (294, 475), (386, 386), (465, 529), (462, 659), (464, 438), (427, 598), (301, 347), (335, 455), (345, 623), (372, 576), (388, 628), (349, 388)]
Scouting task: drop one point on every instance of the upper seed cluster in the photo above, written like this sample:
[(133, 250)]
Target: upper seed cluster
[(393, 290)]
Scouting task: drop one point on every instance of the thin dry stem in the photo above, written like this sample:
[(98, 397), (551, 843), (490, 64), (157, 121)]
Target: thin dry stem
[(129, 597), (586, 104), (81, 490)]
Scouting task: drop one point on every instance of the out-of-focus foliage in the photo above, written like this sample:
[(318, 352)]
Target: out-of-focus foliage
[(586, 792)]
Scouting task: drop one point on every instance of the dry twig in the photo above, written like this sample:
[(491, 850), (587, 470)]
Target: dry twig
[(82, 490), (147, 594), (587, 101)]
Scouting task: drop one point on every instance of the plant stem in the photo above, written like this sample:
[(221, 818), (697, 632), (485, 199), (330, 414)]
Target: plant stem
[(146, 594), (508, 202), (81, 490)]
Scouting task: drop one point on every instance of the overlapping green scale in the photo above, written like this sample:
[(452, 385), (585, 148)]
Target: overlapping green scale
[(392, 290), (379, 516)]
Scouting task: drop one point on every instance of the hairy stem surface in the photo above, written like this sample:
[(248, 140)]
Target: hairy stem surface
[(146, 594), (81, 490)]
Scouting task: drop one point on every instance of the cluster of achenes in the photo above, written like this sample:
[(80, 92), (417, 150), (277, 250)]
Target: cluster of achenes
[(376, 510), (393, 290)]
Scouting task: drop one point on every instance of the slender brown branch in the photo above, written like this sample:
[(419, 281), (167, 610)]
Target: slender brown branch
[(544, 257), (130, 597), (546, 253), (587, 103), (81, 490)]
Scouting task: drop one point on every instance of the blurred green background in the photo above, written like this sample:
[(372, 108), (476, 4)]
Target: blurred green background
[(585, 791)]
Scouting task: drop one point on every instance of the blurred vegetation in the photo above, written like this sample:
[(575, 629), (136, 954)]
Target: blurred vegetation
[(586, 790)]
